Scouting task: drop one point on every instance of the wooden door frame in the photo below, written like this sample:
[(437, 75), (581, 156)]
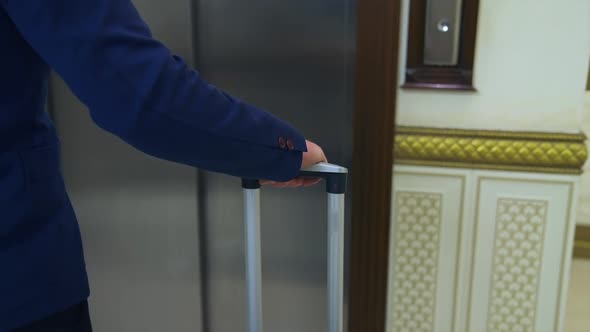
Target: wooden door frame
[(372, 166)]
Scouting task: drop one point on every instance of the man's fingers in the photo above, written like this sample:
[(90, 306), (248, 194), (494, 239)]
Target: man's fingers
[(310, 182), (298, 182)]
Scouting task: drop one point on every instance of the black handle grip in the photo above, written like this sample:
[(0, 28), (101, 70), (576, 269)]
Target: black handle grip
[(250, 184), (335, 182), (334, 175)]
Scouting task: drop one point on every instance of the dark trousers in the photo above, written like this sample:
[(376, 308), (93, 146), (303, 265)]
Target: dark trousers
[(73, 319)]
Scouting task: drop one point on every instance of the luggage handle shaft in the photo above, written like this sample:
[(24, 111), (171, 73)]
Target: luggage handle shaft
[(335, 177)]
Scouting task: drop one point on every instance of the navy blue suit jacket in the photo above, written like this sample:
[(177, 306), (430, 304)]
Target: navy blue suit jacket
[(134, 88)]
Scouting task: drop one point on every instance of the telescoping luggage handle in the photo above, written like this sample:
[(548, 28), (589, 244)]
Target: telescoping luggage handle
[(335, 177)]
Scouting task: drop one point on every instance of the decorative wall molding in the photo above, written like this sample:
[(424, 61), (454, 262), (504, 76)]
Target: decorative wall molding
[(425, 250), (501, 242), (517, 258), (494, 150), (418, 217), (542, 228)]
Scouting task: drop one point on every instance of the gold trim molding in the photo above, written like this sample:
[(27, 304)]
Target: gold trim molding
[(582, 241), (496, 150)]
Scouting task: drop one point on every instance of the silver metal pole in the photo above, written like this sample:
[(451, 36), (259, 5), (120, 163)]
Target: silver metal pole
[(253, 258), (335, 260)]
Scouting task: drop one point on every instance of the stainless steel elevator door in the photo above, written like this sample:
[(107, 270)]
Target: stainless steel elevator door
[(295, 59), (138, 215)]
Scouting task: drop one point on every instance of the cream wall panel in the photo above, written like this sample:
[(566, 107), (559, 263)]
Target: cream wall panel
[(498, 239), (522, 221), (429, 206)]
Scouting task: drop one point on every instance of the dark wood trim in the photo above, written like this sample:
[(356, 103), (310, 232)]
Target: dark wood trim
[(582, 242), (421, 76), (438, 78), (374, 125)]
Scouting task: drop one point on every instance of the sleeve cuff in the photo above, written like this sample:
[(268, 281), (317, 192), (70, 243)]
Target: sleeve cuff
[(288, 138)]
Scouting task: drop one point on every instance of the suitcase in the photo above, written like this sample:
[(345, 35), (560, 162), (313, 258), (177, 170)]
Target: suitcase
[(335, 178)]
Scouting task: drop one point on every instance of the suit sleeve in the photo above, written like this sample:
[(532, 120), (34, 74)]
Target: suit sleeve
[(136, 89)]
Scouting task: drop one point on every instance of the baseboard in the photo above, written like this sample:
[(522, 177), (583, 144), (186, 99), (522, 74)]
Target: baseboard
[(582, 241)]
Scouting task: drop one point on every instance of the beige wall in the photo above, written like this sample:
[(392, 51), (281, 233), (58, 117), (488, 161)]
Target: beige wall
[(530, 70), (531, 67)]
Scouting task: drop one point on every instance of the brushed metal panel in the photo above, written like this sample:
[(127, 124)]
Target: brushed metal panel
[(295, 59), (442, 32)]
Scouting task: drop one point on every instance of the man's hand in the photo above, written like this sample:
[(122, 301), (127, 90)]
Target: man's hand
[(314, 155)]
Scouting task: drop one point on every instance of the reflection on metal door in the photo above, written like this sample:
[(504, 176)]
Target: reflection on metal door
[(293, 58)]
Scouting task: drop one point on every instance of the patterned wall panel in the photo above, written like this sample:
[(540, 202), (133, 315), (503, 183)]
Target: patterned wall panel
[(518, 251), (416, 243)]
